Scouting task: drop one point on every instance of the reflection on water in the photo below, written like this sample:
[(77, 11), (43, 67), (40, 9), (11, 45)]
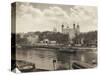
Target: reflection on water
[(43, 58)]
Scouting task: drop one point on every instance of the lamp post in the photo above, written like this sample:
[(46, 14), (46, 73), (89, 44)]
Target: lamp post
[(54, 61)]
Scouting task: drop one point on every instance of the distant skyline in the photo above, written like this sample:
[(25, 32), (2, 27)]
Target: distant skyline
[(44, 17)]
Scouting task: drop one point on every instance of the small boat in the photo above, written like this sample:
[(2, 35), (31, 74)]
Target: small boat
[(23, 66)]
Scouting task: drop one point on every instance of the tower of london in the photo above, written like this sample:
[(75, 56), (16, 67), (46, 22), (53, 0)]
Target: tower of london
[(72, 32)]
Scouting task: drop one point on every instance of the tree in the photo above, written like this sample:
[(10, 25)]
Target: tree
[(58, 37), (20, 40), (89, 37)]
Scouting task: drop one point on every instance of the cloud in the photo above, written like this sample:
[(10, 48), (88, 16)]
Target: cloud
[(86, 16), (27, 8), (30, 18)]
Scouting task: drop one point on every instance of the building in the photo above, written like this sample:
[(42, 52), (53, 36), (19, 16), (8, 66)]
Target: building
[(54, 30), (32, 38), (48, 42), (21, 35), (72, 32)]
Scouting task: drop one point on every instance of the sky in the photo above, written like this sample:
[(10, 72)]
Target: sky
[(31, 17)]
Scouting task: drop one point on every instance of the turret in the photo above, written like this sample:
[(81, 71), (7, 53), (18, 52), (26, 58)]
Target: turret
[(67, 27), (74, 26), (78, 29), (62, 28)]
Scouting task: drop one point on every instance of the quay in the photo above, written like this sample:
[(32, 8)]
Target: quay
[(62, 48)]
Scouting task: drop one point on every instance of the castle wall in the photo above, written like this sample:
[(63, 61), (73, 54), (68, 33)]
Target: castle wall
[(70, 32)]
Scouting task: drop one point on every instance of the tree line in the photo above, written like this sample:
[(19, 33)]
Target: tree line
[(89, 37)]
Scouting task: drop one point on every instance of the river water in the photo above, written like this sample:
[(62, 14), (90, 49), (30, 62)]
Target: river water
[(50, 59)]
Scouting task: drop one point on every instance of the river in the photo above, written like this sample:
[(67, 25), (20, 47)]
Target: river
[(50, 59)]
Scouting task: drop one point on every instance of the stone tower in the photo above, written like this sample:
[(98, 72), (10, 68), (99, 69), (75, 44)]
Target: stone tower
[(78, 29)]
